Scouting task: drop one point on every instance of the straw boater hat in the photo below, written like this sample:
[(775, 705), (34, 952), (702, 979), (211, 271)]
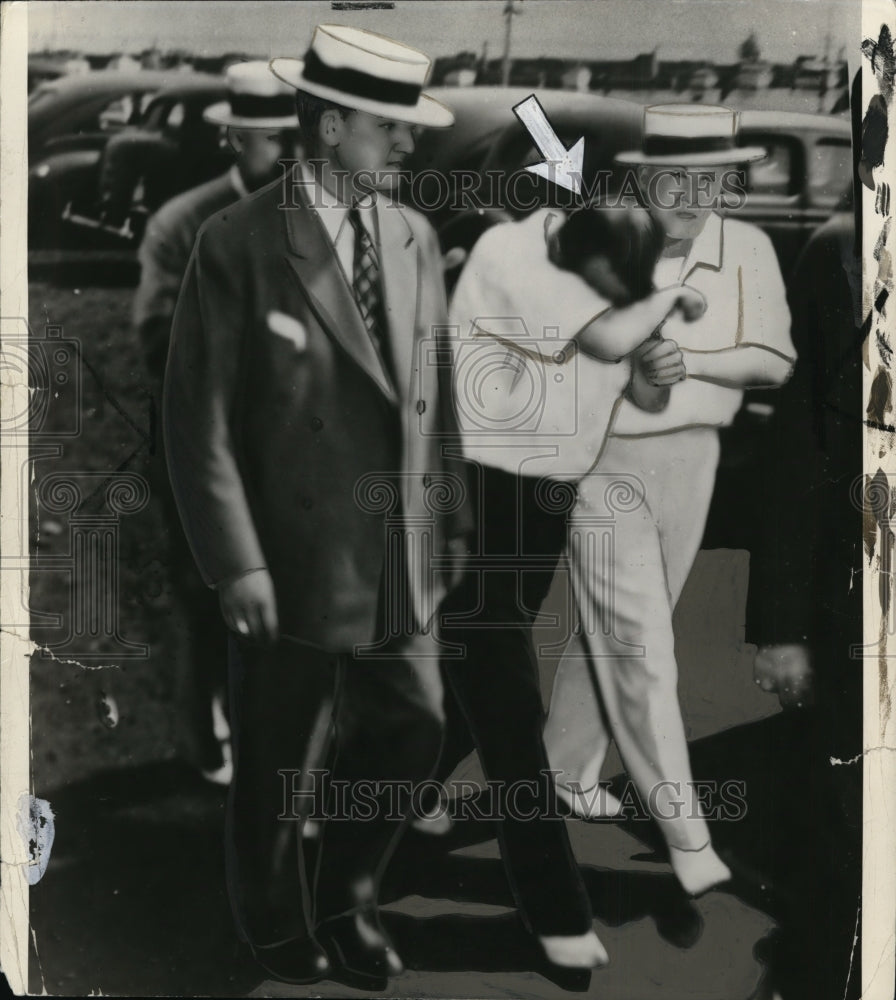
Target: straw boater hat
[(366, 72), (690, 135), (255, 99)]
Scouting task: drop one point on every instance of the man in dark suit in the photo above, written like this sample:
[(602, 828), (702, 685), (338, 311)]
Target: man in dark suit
[(262, 128), (805, 614), (804, 609), (304, 426)]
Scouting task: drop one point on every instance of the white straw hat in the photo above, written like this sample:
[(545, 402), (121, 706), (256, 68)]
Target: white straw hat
[(255, 99), (366, 72), (690, 135)]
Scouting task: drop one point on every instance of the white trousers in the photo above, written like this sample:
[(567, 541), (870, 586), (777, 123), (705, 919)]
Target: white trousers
[(633, 537)]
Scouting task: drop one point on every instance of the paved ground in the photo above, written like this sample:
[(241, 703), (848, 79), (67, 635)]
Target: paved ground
[(133, 903)]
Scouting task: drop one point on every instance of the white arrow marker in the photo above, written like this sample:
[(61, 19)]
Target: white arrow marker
[(562, 166)]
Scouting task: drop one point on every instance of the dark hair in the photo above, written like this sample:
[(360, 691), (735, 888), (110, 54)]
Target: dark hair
[(310, 109), (628, 237)]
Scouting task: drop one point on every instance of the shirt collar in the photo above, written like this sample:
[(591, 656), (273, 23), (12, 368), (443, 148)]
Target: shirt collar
[(706, 250), (236, 179), (332, 212)]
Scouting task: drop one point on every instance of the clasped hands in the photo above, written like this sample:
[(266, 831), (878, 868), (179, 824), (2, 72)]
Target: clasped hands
[(660, 360)]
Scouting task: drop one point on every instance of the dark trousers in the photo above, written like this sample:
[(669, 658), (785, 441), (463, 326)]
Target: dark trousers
[(202, 672), (303, 722), (202, 667), (522, 532)]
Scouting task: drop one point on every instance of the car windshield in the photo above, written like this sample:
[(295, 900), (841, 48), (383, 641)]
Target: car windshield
[(830, 169)]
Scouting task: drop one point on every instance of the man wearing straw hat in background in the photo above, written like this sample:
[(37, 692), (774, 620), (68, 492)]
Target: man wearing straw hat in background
[(304, 421), (626, 600), (260, 119)]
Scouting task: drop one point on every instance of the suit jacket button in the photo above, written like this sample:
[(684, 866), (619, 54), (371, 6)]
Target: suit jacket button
[(421, 406), (316, 423)]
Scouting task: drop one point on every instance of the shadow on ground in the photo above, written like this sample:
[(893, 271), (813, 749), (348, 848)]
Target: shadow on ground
[(133, 901)]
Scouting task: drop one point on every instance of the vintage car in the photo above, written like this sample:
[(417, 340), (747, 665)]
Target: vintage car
[(466, 178), (82, 110), (71, 121), (806, 175), (789, 193)]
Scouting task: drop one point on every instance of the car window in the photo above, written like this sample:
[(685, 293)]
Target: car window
[(773, 175), (175, 117), (122, 110), (830, 170), (156, 112), (116, 113)]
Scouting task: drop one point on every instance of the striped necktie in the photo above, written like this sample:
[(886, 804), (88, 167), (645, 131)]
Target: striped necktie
[(366, 288)]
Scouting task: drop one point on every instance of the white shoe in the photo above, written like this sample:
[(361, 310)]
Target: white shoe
[(578, 951), (698, 871), (596, 803), (220, 725), (222, 775)]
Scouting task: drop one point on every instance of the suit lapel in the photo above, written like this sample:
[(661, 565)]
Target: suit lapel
[(398, 270), (312, 258)]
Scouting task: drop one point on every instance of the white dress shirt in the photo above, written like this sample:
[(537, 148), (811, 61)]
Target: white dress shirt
[(733, 264), (333, 213)]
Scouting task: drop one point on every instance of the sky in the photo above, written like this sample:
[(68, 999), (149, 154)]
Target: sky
[(579, 29)]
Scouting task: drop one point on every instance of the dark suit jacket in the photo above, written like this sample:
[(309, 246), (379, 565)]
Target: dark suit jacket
[(288, 445), (164, 252), (806, 557)]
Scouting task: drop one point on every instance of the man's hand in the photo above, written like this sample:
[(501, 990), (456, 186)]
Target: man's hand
[(249, 606), (691, 303), (660, 361), (787, 670)]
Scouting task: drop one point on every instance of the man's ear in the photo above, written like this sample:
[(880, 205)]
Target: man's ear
[(331, 127), (236, 139)]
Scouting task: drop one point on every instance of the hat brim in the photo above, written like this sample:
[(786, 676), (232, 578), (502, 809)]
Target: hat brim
[(220, 114), (427, 112), (740, 154)]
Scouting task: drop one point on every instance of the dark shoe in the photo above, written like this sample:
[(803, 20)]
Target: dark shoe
[(678, 920), (299, 962), (360, 950)]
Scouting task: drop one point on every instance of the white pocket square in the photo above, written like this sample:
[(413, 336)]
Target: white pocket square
[(289, 327)]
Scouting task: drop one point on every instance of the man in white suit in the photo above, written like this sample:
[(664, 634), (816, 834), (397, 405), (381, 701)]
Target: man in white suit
[(669, 460)]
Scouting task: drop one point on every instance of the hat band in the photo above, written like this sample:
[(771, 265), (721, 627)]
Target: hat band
[(661, 145), (256, 106), (360, 84)]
